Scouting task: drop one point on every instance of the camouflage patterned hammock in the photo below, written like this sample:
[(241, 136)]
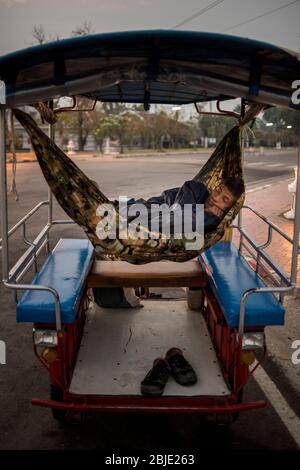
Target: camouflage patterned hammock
[(80, 197)]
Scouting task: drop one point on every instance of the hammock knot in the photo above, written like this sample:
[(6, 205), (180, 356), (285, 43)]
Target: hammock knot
[(46, 113)]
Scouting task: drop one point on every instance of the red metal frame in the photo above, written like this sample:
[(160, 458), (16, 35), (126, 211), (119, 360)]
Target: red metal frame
[(157, 405), (227, 344), (69, 339)]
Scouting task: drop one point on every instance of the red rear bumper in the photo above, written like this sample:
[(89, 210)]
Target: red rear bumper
[(152, 405)]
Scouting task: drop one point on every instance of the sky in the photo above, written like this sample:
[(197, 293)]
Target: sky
[(60, 17)]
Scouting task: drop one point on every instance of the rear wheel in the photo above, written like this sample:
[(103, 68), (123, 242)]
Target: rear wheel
[(57, 394), (221, 420), (195, 298), (236, 415), (225, 420)]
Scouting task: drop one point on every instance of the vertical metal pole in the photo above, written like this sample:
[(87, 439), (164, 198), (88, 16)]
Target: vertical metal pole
[(50, 196), (4, 221), (240, 219), (295, 251)]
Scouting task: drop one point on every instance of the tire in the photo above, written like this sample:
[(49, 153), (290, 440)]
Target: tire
[(221, 420), (235, 416), (56, 394), (195, 298), (225, 420)]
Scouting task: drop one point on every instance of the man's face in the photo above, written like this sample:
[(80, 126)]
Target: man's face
[(220, 199)]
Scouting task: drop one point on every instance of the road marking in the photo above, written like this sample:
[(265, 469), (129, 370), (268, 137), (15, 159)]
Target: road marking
[(258, 189), (255, 163), (267, 185), (273, 165), (269, 165), (279, 403)]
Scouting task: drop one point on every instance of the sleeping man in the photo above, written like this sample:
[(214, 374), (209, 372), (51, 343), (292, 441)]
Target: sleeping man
[(216, 202)]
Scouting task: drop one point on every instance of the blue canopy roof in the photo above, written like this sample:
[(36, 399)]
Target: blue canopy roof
[(156, 66)]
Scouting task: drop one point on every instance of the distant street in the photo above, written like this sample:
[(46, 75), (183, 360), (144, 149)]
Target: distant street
[(145, 176), (149, 175)]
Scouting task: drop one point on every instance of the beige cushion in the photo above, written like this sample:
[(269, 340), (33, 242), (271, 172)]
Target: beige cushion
[(159, 273)]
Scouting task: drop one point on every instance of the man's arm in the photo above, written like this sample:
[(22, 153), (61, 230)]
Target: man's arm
[(166, 197), (191, 192)]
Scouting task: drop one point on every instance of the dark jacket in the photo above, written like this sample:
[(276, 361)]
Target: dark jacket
[(191, 192)]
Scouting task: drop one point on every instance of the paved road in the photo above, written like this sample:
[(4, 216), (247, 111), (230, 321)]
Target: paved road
[(25, 427), (146, 176), (149, 174)]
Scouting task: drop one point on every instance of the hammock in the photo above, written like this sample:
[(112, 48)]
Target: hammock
[(80, 197)]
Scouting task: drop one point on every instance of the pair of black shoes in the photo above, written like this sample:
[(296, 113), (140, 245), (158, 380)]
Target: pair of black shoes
[(175, 364)]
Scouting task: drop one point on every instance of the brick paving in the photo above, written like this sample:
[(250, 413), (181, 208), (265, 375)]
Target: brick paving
[(272, 202)]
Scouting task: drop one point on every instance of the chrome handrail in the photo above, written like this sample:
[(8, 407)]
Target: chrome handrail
[(260, 253), (29, 253), (256, 290), (269, 222), (31, 261), (41, 288), (282, 274), (63, 222), (24, 219), (260, 248)]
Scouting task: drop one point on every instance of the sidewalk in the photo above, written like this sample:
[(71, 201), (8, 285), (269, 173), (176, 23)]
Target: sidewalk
[(272, 202)]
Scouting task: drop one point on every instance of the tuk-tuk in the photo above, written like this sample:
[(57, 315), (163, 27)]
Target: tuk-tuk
[(96, 359)]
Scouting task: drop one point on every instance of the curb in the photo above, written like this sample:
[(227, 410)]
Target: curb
[(22, 161), (159, 154)]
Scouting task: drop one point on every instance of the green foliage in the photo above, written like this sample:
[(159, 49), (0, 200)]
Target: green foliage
[(215, 126), (282, 118), (278, 132)]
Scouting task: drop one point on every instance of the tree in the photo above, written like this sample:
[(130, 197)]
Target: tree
[(285, 127), (39, 34), (81, 122), (102, 128), (84, 120), (178, 131), (80, 119), (282, 117), (40, 37), (82, 30), (215, 126), (64, 120), (160, 127), (121, 125)]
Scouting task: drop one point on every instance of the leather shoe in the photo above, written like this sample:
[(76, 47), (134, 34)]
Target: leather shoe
[(156, 379), (181, 369)]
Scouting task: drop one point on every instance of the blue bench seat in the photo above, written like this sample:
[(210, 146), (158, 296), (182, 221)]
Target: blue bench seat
[(65, 270), (229, 277)]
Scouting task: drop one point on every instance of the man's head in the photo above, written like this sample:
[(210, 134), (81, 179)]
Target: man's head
[(225, 195)]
